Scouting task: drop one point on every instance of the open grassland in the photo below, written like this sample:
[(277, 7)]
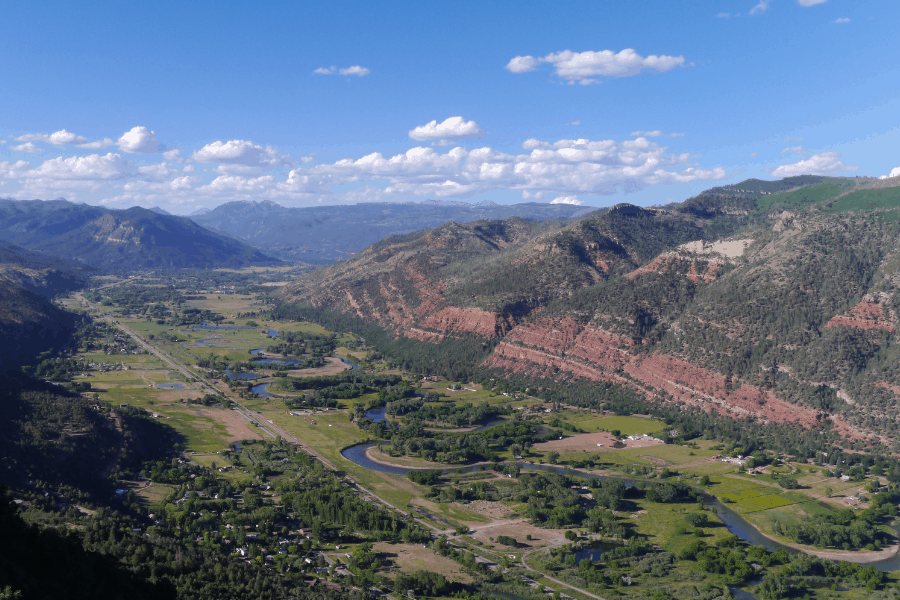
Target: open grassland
[(626, 425)]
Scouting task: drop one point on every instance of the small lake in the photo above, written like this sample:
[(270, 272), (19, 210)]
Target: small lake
[(218, 327), (262, 390), (376, 414), (257, 351), (170, 386), (273, 332)]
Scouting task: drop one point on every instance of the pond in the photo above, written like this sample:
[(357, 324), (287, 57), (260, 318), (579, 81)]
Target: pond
[(170, 386), (347, 362)]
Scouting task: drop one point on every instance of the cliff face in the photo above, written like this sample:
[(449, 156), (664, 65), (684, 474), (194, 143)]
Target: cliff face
[(765, 313)]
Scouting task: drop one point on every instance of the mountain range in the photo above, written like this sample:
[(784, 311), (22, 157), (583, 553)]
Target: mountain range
[(325, 234), (776, 301), (135, 238)]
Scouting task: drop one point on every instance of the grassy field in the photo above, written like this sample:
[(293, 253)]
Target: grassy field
[(867, 200), (626, 425), (807, 195)]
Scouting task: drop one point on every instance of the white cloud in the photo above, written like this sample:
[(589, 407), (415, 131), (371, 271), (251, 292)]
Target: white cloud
[(753, 154), (895, 172), (241, 157), (811, 2), (575, 123), (522, 64), (655, 133), (584, 67), (354, 70), (826, 163), (158, 173), (97, 145), (568, 200), (140, 140), (27, 147), (93, 167), (14, 170), (761, 7), (173, 155), (788, 138), (454, 128), (842, 20), (543, 169), (794, 150)]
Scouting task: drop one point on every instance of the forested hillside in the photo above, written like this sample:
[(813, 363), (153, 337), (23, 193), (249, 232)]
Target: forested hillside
[(770, 300), (121, 240)]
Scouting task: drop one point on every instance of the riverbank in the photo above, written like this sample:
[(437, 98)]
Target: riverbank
[(379, 457)]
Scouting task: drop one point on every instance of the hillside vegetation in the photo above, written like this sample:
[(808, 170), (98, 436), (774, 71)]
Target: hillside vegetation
[(768, 300)]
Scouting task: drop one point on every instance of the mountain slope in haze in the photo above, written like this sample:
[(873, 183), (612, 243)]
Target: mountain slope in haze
[(135, 238), (40, 273), (29, 322), (781, 307), (327, 234)]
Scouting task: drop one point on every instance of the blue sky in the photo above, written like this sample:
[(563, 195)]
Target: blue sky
[(189, 105)]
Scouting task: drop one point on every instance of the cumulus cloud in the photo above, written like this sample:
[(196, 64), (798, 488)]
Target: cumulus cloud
[(241, 156), (788, 138), (811, 2), (584, 67), (354, 70), (564, 168), (522, 64), (454, 128), (826, 163), (842, 20), (27, 147), (93, 167), (140, 140), (568, 200), (895, 172), (794, 150)]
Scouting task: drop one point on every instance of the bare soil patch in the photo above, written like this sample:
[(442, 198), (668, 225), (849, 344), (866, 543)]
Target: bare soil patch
[(333, 367), (518, 529), (413, 557), (494, 510)]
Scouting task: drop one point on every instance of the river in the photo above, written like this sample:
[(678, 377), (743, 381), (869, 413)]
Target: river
[(734, 522)]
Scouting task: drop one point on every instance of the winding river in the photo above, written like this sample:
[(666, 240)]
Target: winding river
[(734, 522)]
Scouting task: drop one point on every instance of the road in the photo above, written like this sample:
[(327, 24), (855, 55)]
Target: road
[(208, 387), (275, 431)]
